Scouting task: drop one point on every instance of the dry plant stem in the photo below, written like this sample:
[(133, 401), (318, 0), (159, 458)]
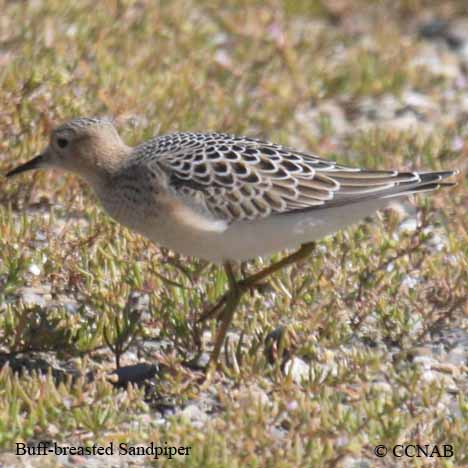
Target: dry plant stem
[(236, 288)]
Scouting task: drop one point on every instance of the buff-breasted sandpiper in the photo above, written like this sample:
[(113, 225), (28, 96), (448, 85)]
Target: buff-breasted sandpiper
[(221, 197)]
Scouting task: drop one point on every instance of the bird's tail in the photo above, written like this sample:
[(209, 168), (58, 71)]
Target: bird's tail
[(365, 185), (428, 181)]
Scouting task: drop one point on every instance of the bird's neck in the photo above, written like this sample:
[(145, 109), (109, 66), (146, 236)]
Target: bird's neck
[(109, 165)]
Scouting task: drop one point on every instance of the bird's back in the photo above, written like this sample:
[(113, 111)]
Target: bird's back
[(219, 197)]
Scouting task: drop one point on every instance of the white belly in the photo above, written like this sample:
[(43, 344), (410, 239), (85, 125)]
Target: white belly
[(245, 240), (187, 233)]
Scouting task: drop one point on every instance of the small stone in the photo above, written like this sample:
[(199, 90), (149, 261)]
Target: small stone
[(428, 376), (425, 361), (292, 405), (421, 351), (194, 413), (254, 395), (199, 362), (410, 282), (298, 369), (457, 144), (382, 387), (35, 295), (34, 269), (457, 356), (408, 225)]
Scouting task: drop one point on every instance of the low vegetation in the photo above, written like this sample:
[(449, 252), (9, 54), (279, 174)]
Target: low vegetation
[(365, 343)]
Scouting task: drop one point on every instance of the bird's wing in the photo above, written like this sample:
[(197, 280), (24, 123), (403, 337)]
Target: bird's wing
[(240, 178)]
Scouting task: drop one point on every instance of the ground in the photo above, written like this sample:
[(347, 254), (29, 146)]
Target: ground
[(364, 344)]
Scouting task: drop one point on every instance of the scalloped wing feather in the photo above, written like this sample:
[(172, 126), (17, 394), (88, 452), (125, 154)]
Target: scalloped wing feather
[(247, 179)]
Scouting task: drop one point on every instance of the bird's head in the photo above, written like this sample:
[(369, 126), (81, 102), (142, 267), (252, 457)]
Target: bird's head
[(89, 147)]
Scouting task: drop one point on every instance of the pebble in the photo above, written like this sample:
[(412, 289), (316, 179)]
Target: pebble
[(194, 414), (298, 369), (34, 269), (39, 295), (253, 395)]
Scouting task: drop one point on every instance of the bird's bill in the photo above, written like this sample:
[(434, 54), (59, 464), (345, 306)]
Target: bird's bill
[(34, 163)]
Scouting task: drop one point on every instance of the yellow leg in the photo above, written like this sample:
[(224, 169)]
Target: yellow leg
[(214, 310), (232, 297), (248, 283), (304, 251)]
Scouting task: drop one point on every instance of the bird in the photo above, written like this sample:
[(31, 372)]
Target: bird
[(224, 198)]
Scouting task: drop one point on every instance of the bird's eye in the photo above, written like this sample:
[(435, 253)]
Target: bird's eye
[(62, 142)]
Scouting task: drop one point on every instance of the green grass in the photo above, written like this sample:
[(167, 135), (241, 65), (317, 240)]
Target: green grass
[(360, 313)]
